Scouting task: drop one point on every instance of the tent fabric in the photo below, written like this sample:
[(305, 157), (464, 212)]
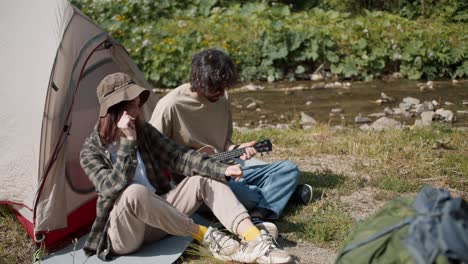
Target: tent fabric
[(53, 58), (27, 47)]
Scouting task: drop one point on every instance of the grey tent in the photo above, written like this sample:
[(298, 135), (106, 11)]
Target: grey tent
[(52, 58)]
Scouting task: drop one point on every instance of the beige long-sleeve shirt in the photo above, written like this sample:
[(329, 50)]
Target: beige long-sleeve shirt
[(194, 121)]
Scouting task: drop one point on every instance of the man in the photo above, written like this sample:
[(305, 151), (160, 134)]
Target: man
[(198, 113)]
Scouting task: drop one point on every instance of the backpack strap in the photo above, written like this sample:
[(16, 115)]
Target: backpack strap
[(377, 235)]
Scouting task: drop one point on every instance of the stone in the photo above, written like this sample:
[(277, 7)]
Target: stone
[(252, 87), (308, 103), (397, 75), (336, 110), (385, 123), (427, 116), (386, 98), (399, 111), (365, 127), (316, 77), (424, 107), (282, 126), (420, 123), (334, 85), (465, 102), (388, 111), (430, 85), (377, 115), (462, 112), (307, 120), (411, 101), (361, 119), (405, 105), (448, 103), (435, 103), (299, 88), (446, 115), (252, 105)]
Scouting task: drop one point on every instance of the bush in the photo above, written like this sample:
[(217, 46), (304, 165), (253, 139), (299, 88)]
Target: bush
[(273, 41)]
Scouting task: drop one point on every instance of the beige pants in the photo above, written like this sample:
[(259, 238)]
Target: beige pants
[(141, 216)]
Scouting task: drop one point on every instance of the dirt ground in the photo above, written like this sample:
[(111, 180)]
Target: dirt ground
[(359, 204)]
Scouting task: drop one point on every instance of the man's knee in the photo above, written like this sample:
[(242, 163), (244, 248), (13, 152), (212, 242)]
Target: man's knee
[(290, 168)]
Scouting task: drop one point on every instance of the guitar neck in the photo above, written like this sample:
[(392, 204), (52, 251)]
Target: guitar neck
[(223, 156)]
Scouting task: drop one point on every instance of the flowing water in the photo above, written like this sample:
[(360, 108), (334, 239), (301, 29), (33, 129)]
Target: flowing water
[(282, 103)]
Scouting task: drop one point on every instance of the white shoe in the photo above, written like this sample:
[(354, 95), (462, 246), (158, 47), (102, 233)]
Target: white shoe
[(261, 250), (220, 244), (271, 228)]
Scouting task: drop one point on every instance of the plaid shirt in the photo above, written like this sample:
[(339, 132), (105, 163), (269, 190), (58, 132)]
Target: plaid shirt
[(157, 151)]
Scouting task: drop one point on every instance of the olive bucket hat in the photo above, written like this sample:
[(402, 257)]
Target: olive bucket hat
[(116, 88)]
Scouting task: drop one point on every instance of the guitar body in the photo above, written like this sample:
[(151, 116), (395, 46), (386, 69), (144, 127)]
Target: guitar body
[(208, 150)]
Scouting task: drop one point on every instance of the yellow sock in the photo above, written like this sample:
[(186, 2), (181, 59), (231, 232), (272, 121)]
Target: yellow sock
[(251, 233), (201, 233)]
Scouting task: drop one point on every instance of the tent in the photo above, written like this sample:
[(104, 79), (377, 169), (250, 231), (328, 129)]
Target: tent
[(52, 59)]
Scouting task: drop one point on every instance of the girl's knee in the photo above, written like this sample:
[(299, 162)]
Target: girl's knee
[(135, 193)]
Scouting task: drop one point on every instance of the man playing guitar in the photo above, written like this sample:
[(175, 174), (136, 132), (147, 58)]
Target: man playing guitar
[(198, 114)]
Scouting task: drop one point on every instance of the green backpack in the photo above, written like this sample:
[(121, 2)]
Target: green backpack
[(379, 239)]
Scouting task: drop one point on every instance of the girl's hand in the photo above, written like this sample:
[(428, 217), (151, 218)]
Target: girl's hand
[(127, 126)]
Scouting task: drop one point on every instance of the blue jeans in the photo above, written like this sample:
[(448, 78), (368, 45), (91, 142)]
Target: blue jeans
[(266, 186)]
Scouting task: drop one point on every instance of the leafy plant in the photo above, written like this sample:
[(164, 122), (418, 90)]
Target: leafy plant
[(274, 40)]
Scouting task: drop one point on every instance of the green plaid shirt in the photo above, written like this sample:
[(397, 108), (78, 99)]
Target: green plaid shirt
[(157, 151)]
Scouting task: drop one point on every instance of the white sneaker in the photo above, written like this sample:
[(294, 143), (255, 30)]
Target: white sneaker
[(261, 250), (220, 244), (271, 228)]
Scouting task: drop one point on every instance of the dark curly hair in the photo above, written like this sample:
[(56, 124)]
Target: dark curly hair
[(212, 71)]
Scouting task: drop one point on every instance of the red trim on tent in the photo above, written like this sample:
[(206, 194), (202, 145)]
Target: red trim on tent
[(79, 222), (15, 203), (28, 226)]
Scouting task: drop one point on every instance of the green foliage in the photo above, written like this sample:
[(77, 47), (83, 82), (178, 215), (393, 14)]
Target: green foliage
[(273, 40)]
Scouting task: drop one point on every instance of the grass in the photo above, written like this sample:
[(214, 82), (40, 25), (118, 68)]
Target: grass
[(399, 160), (15, 244), (391, 163)]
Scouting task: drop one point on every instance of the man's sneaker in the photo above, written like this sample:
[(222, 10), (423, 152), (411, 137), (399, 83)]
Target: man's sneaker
[(268, 226), (261, 250), (303, 194), (220, 244)]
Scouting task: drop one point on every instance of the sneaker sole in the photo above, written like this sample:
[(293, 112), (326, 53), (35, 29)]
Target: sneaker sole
[(307, 190)]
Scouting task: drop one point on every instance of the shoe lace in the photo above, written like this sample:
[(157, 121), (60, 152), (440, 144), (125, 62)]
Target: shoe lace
[(215, 244), (265, 245)]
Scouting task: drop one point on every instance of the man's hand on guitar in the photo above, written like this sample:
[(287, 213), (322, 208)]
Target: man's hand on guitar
[(250, 151), (234, 171)]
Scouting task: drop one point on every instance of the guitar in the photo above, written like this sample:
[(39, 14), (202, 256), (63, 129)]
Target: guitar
[(260, 147)]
